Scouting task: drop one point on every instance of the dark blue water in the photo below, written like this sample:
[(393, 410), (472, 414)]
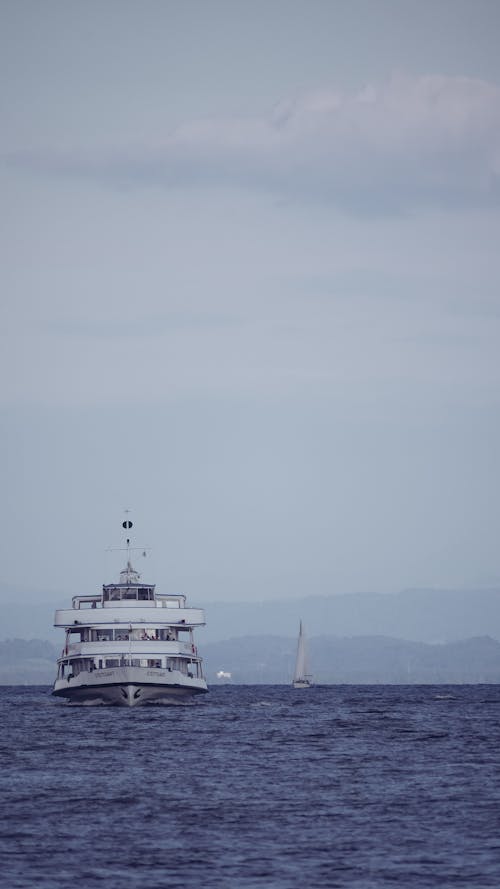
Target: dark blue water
[(254, 786)]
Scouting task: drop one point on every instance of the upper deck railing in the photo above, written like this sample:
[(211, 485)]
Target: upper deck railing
[(113, 596)]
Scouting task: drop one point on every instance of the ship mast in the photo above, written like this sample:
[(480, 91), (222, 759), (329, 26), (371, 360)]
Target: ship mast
[(128, 574), (127, 525)]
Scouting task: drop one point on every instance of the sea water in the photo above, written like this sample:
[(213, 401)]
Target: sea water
[(254, 786)]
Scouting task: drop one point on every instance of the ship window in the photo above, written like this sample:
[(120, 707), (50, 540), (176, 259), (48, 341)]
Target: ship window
[(129, 594), (112, 662)]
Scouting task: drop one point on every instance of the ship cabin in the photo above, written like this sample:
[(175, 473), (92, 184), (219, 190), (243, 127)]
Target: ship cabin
[(116, 592)]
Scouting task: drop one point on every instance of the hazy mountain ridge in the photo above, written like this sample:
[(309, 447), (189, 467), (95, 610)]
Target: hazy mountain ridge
[(270, 660), (415, 615)]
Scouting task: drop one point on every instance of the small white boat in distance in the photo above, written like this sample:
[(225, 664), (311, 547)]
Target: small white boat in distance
[(301, 678)]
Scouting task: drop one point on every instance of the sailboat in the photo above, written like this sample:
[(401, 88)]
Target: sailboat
[(301, 677)]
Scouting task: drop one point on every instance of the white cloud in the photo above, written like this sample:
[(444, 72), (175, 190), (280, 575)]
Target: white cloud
[(408, 142)]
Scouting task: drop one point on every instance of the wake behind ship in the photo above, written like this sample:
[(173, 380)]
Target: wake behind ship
[(129, 645)]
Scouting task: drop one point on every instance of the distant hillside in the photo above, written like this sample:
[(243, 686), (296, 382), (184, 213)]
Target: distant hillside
[(415, 615), (270, 660), (362, 659), (27, 662)]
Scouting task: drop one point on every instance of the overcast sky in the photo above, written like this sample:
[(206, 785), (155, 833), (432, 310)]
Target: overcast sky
[(250, 290)]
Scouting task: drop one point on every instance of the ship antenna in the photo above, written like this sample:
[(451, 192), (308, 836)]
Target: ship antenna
[(127, 525)]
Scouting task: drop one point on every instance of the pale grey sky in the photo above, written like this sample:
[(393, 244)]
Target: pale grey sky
[(250, 289)]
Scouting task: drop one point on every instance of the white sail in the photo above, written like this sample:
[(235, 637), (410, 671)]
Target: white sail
[(301, 677)]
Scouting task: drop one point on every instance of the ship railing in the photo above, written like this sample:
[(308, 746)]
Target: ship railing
[(134, 645), (168, 600), (180, 619), (93, 601), (173, 601)]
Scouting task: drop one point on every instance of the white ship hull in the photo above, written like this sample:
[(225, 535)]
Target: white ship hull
[(129, 687)]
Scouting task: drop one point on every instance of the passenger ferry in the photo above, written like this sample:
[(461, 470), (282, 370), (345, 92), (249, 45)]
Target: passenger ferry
[(129, 645)]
